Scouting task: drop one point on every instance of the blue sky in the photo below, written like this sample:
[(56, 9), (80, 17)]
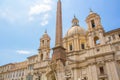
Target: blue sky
[(23, 22)]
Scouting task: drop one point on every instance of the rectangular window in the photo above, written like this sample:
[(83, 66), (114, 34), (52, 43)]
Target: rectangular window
[(22, 73), (101, 70), (30, 67), (39, 78), (43, 42), (29, 77), (70, 46), (113, 36), (92, 23), (109, 38), (82, 46), (19, 74)]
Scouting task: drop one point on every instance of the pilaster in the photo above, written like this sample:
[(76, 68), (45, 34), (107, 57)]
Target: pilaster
[(112, 70)]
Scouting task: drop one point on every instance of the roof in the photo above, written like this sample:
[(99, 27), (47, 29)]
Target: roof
[(7, 64), (112, 31), (32, 56)]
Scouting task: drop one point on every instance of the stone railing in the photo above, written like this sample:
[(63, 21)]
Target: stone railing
[(102, 76), (99, 50)]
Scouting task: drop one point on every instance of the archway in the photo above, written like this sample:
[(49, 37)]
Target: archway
[(96, 40)]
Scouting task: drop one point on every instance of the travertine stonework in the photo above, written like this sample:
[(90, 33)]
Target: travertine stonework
[(91, 54)]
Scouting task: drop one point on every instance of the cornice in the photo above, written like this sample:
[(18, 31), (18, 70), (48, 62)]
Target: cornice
[(113, 31), (99, 55)]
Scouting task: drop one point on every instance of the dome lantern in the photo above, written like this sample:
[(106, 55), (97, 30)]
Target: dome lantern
[(45, 35), (75, 21), (91, 11)]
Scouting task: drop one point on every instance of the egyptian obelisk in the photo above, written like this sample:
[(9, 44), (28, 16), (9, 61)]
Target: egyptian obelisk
[(58, 50)]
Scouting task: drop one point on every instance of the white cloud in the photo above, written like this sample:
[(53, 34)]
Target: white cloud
[(8, 15), (43, 23), (23, 52), (39, 8), (27, 11), (47, 1), (31, 18), (46, 16), (45, 19), (42, 10)]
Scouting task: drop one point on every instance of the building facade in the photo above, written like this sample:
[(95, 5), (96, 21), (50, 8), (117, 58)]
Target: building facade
[(91, 54)]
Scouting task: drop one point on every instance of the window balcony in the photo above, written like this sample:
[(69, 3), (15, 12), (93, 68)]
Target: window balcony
[(103, 76), (41, 64)]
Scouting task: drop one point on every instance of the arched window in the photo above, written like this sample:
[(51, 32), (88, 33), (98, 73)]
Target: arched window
[(41, 56), (43, 42), (70, 47), (96, 40), (92, 23)]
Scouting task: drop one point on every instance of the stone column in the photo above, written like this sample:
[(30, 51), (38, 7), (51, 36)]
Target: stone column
[(92, 72), (112, 70), (91, 41), (102, 39), (75, 74)]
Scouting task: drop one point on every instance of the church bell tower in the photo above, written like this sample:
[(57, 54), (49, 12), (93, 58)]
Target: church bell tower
[(44, 49), (95, 30)]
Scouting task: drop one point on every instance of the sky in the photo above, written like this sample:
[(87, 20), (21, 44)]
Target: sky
[(23, 22)]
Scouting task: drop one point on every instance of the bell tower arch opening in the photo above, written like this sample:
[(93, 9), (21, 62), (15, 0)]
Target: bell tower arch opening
[(41, 56), (70, 47), (93, 23)]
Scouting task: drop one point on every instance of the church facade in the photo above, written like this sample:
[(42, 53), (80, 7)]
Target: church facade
[(91, 54)]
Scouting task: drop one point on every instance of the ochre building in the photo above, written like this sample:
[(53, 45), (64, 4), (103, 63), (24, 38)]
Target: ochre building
[(91, 54)]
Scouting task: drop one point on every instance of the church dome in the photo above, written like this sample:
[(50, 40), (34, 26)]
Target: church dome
[(75, 29)]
